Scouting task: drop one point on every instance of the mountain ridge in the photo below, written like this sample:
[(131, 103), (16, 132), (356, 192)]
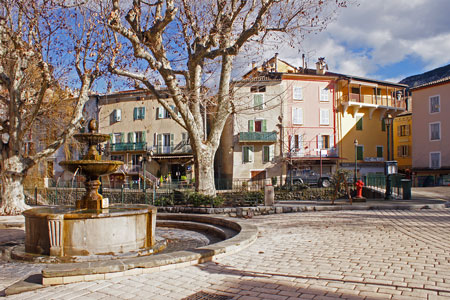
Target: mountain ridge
[(427, 77)]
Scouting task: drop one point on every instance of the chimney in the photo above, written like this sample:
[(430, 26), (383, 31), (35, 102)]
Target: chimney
[(303, 60), (276, 62), (321, 66), (253, 64)]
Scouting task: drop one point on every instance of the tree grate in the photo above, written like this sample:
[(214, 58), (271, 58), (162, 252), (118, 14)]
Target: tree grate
[(207, 296)]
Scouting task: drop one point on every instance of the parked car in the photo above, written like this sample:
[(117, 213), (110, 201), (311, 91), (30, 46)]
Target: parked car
[(310, 177)]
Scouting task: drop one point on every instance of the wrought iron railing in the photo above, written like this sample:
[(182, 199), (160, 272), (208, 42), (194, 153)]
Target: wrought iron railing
[(257, 136)]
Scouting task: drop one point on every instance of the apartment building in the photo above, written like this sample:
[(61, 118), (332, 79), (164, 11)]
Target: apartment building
[(144, 137), (402, 135), (431, 137), (293, 119)]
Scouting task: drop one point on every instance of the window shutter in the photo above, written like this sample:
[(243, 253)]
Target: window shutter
[(379, 151), (297, 92), (271, 152), (324, 94), (399, 130), (142, 112), (250, 125), (399, 151), (155, 139), (157, 113), (250, 154), (244, 154), (264, 126), (383, 126), (324, 117), (171, 142), (130, 137), (359, 123), (135, 113), (160, 112), (122, 137), (297, 115), (143, 136), (172, 107), (111, 138), (359, 153), (407, 128), (160, 143)]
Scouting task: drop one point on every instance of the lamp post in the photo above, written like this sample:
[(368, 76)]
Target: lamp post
[(388, 124), (146, 157), (355, 142)]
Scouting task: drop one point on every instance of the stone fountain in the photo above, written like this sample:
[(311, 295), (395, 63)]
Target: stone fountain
[(92, 227)]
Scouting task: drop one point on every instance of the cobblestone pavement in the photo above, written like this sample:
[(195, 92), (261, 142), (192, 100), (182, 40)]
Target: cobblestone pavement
[(315, 255)]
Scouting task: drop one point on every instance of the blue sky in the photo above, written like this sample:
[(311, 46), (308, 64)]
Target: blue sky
[(380, 39)]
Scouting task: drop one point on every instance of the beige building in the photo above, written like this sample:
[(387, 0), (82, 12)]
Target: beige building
[(431, 134), (143, 135)]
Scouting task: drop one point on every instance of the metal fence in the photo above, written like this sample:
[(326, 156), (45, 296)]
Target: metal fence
[(378, 182)]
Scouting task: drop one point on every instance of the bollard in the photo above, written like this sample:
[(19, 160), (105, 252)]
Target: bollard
[(121, 194), (269, 195), (406, 186)]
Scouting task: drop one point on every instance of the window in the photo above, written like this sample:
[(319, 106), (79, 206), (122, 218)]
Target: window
[(383, 125), (117, 157), (131, 137), (268, 153), (435, 131), (435, 106), (324, 94), (247, 154), (298, 142), (359, 152), (139, 137), (258, 89), (435, 160), (297, 116), (162, 113), (297, 93), (403, 151), (118, 138), (257, 126), (323, 141), (379, 151), (403, 130), (117, 115), (359, 123), (139, 113), (258, 101), (355, 90), (165, 143), (324, 116)]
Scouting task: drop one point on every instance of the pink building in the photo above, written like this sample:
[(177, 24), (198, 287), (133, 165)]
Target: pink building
[(431, 133)]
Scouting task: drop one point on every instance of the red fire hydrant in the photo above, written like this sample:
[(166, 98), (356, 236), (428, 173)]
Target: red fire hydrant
[(359, 186)]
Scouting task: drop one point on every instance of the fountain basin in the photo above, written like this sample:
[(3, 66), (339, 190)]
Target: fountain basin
[(67, 231), (91, 167)]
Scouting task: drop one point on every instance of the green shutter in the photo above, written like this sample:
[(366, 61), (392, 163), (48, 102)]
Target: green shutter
[(135, 113), (111, 140), (359, 124), (142, 112), (379, 151), (264, 126), (143, 136), (122, 137), (258, 101), (245, 152), (383, 125), (359, 153), (250, 125), (130, 137), (171, 142)]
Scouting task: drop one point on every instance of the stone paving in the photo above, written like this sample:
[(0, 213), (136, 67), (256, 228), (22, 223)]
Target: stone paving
[(315, 255)]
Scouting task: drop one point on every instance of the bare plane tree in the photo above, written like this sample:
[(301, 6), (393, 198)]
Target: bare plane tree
[(36, 39), (180, 39)]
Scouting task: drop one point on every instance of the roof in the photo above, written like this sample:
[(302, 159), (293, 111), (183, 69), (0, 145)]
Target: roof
[(432, 83)]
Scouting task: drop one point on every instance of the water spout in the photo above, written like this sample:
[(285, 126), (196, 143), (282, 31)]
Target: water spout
[(74, 175)]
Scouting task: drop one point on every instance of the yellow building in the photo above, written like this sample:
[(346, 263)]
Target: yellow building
[(362, 106), (403, 141)]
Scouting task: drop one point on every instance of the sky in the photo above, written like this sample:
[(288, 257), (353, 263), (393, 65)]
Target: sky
[(380, 39)]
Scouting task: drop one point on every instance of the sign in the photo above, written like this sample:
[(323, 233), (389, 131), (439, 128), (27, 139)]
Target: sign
[(373, 159)]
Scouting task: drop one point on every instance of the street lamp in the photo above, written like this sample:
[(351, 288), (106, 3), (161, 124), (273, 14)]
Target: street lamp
[(144, 158), (388, 123), (355, 142)]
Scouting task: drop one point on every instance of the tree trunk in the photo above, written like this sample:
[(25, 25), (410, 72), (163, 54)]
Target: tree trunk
[(204, 170), (13, 199)]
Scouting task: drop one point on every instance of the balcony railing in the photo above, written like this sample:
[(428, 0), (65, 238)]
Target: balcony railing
[(181, 148), (311, 152), (382, 100), (128, 147), (258, 137)]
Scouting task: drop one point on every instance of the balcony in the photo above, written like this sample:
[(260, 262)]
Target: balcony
[(261, 137), (388, 104), (128, 147), (181, 148), (311, 153)]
